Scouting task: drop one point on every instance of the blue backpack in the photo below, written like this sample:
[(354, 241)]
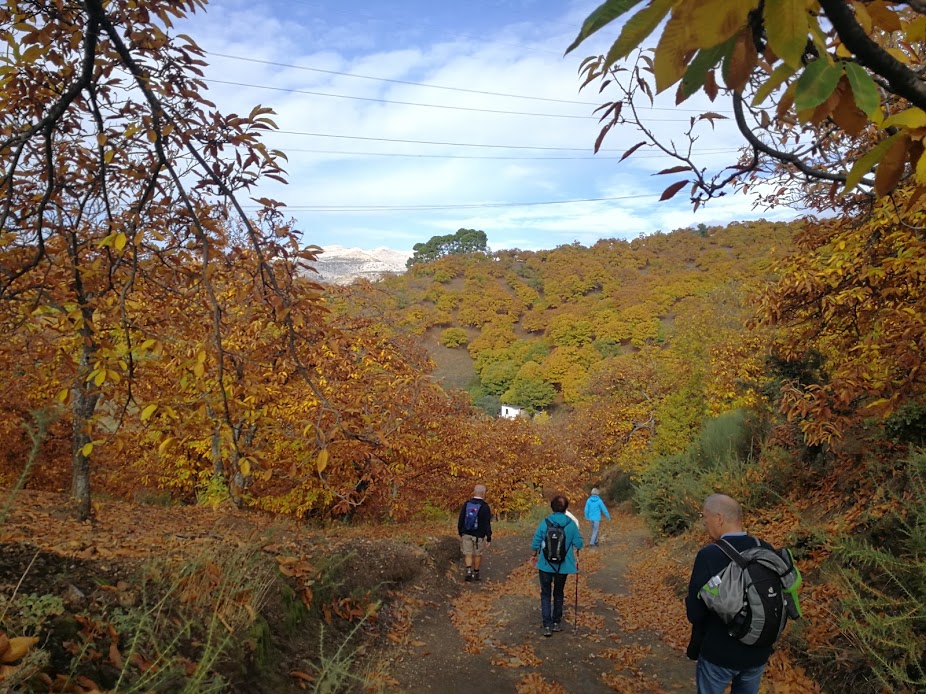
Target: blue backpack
[(471, 516)]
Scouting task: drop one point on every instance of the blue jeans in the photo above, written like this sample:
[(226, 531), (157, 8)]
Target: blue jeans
[(594, 538), (555, 583), (713, 679)]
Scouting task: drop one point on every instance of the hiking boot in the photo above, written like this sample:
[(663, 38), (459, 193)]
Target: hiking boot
[(547, 631), (476, 576), (469, 575), (557, 626)]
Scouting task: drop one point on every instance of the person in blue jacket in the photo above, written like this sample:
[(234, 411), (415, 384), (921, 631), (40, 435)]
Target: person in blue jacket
[(594, 507), (553, 578)]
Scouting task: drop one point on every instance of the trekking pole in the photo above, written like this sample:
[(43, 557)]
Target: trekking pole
[(575, 619)]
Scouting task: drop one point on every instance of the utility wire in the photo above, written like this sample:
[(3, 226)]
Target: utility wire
[(465, 206), (405, 82), (404, 103), (471, 156), (428, 85), (435, 142), (440, 106)]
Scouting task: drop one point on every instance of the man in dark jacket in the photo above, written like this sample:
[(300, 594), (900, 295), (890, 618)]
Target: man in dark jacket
[(475, 529), (722, 659)]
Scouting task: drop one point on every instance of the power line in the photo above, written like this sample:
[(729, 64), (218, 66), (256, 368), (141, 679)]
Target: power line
[(464, 206), (404, 103), (433, 142), (502, 158), (436, 86), (405, 82)]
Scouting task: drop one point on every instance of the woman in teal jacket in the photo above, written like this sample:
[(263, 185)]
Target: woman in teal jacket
[(553, 578), (594, 507)]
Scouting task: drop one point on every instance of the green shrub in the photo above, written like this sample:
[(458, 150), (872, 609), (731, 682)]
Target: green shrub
[(454, 337), (617, 486), (670, 492), (885, 576)]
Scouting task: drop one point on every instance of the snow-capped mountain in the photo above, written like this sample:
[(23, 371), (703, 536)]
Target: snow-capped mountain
[(340, 265)]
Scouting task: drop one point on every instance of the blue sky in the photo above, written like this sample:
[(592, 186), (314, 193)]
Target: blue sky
[(467, 76)]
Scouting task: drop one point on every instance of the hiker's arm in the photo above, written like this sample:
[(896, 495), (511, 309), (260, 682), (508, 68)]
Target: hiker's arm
[(701, 573), (460, 521), (486, 517), (576, 538), (537, 540)]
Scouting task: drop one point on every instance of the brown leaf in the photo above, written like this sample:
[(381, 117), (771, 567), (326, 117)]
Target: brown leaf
[(672, 190), (847, 115), (892, 166), (674, 169), (632, 150), (742, 61), (115, 657), (710, 85), (821, 112)]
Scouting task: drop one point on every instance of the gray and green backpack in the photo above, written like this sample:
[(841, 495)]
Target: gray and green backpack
[(755, 594)]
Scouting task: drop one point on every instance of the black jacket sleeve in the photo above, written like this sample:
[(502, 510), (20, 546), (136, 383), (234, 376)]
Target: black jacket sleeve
[(460, 520), (485, 520)]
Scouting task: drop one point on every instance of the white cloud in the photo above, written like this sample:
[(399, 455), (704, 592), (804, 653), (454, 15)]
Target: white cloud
[(519, 57)]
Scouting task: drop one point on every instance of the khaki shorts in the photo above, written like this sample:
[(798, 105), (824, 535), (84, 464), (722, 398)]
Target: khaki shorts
[(472, 545)]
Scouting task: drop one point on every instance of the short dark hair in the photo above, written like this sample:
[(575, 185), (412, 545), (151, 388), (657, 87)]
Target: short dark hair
[(559, 503)]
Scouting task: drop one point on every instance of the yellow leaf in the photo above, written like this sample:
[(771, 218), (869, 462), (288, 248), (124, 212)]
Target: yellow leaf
[(673, 51), (108, 156), (201, 357), (148, 411), (637, 28), (916, 30), (900, 55), (87, 449), (864, 164), (100, 377), (862, 17), (100, 139), (165, 443), (321, 462), (152, 136), (775, 80), (909, 118), (63, 395), (199, 369), (921, 169), (120, 241), (714, 21), (244, 466), (786, 27)]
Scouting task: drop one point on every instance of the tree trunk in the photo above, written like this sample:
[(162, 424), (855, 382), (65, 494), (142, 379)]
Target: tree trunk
[(84, 397)]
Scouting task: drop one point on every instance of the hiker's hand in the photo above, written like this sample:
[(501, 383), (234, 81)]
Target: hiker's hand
[(533, 560)]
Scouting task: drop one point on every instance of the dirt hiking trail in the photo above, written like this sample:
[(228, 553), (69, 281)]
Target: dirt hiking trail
[(486, 636)]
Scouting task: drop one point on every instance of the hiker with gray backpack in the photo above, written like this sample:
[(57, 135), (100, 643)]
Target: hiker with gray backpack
[(555, 544), (741, 593)]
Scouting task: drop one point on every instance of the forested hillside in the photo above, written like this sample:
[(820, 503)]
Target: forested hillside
[(631, 343)]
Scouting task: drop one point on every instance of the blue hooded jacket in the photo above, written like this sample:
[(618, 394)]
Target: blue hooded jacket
[(594, 507), (573, 542)]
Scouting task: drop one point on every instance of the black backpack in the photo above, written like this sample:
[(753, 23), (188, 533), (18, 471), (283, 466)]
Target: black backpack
[(554, 544), (471, 515)]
